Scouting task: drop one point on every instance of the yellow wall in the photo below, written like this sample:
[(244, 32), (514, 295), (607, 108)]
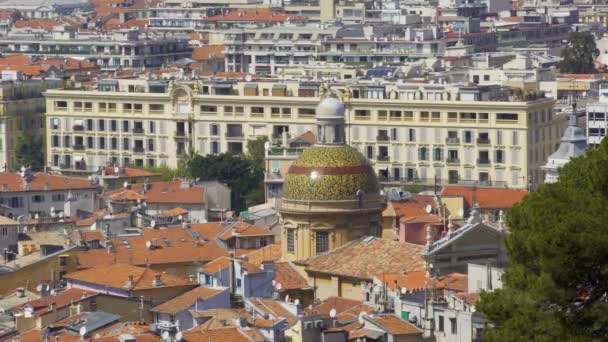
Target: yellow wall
[(454, 205), (32, 275)]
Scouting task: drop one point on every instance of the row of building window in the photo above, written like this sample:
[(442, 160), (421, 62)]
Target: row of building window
[(321, 241)]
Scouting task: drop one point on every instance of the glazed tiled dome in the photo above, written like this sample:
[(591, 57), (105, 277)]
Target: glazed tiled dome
[(330, 173)]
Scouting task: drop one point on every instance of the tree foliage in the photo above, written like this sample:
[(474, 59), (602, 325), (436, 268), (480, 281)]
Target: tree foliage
[(556, 286), (30, 152), (167, 173), (579, 55), (235, 170)]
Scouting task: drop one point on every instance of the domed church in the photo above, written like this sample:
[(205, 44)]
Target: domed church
[(331, 194)]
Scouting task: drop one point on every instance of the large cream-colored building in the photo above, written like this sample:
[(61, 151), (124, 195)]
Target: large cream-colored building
[(21, 113), (410, 132)]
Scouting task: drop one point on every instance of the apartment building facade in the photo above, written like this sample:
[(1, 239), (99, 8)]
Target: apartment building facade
[(410, 132), (21, 113), (121, 49)]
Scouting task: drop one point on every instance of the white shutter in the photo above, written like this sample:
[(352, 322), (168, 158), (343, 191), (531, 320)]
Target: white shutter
[(438, 135), (423, 134), (514, 156), (163, 127)]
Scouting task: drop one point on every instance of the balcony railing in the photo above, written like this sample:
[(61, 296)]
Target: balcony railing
[(138, 130), (78, 128), (483, 161), (78, 147), (180, 134), (453, 161), (234, 135), (382, 137), (483, 141), (138, 149), (383, 158), (452, 140)]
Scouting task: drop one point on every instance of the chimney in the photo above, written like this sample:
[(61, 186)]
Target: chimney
[(21, 292), (85, 294), (184, 184), (129, 283), (157, 282)]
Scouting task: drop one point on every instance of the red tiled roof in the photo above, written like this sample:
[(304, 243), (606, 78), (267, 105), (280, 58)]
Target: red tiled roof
[(176, 211), (395, 325), (230, 334), (245, 229), (207, 52), (469, 298), (46, 24), (413, 206), (69, 64), (184, 248), (15, 59), (367, 257), (273, 308), (411, 280), (60, 300), (117, 275), (270, 253), (124, 195), (288, 277), (186, 300), (346, 309), (216, 265), (490, 198), (578, 76), (258, 14), (169, 192), (453, 281), (35, 335), (43, 181), (127, 172)]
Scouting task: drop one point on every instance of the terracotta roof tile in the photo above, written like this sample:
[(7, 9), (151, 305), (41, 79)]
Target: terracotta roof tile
[(411, 280), (245, 229), (46, 24), (60, 300), (208, 52), (273, 308), (469, 298), (17, 59), (367, 257), (258, 14), (346, 309), (43, 181), (216, 265), (488, 198), (288, 277), (230, 334), (395, 325), (176, 211), (169, 192), (414, 206), (270, 253), (186, 300), (124, 195), (36, 335), (128, 172), (453, 281), (190, 249), (117, 275)]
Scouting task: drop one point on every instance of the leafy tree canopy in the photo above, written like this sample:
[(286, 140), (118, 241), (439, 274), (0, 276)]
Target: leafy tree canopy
[(579, 55), (556, 286), (30, 152)]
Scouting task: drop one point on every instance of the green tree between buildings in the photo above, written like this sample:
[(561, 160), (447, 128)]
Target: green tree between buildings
[(30, 152), (243, 173), (556, 286), (580, 53)]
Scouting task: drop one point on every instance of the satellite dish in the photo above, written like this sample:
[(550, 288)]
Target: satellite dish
[(461, 212), (248, 78), (148, 244), (125, 184), (274, 283), (333, 313), (53, 292), (116, 170), (267, 145), (83, 331), (287, 298), (361, 317), (403, 290), (179, 336), (165, 335), (428, 209), (296, 302), (39, 288), (153, 223), (279, 287)]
